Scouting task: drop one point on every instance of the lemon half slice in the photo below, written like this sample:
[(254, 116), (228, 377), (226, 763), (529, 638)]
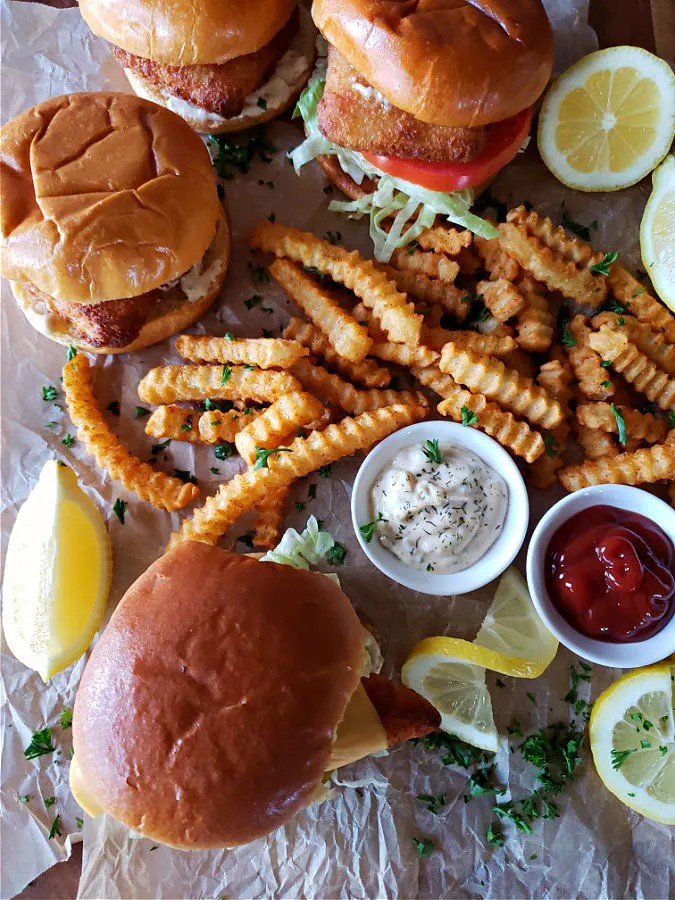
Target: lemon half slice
[(609, 119), (657, 232), (632, 731), (57, 574)]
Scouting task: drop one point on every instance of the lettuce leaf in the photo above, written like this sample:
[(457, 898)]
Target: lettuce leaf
[(408, 204), (301, 550)]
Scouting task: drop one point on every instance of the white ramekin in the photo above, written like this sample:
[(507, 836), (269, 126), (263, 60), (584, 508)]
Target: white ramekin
[(504, 549), (607, 653)]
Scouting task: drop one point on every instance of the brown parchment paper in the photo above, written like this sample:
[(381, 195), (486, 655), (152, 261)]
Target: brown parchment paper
[(358, 844)]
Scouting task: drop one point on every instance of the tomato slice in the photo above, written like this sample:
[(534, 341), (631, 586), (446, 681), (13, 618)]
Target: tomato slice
[(504, 141)]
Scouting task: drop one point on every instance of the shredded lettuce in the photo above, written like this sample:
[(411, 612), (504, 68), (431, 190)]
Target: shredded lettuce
[(301, 550), (408, 204)]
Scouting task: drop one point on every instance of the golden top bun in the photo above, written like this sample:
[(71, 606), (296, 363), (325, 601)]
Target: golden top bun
[(207, 711), (447, 62), (104, 196), (181, 33)]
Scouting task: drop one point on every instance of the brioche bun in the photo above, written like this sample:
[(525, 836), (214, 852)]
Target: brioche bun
[(104, 196), (446, 62), (279, 92), (207, 711), (181, 33), (165, 324)]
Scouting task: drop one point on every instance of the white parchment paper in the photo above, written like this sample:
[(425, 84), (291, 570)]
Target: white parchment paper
[(359, 844)]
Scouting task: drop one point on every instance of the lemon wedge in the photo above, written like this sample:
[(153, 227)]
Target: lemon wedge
[(657, 232), (632, 732), (57, 574), (608, 120), (441, 670)]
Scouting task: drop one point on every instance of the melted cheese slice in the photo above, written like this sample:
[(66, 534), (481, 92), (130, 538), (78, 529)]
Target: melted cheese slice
[(80, 792), (360, 732)]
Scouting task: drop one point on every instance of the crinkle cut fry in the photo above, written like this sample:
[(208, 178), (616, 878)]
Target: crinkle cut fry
[(373, 286), (534, 323), (440, 382), (489, 376), (640, 426), (502, 298), (403, 354), (594, 380), (167, 384), (429, 290), (426, 262), (635, 367), (445, 240), (639, 303), (655, 347), (278, 422), (318, 449), (174, 422), (490, 344), (595, 444), (640, 467), (496, 261), (366, 373), (564, 245), (267, 526), (344, 334), (215, 426), (160, 489), (265, 353), (555, 376), (511, 433)]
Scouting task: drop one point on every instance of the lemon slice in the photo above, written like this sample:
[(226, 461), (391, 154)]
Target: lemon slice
[(440, 669), (608, 120), (57, 574), (632, 731), (657, 232), (521, 644)]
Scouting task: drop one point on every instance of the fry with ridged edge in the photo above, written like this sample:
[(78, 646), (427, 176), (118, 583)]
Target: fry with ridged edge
[(371, 285), (433, 265), (176, 423), (655, 347), (366, 373), (265, 353), (344, 334), (555, 376), (341, 393), (534, 323), (215, 426), (596, 444), (496, 261), (277, 422), (511, 433), (501, 297), (403, 354), (431, 377), (442, 239), (267, 525), (640, 467), (490, 344), (320, 448), (489, 376), (635, 367), (429, 290), (593, 378), (167, 384), (160, 489), (640, 426), (639, 303)]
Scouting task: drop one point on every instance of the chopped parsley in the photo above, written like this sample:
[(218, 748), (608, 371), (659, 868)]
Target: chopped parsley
[(333, 238), (480, 783), (551, 445), (66, 717), (214, 471), (68, 440), (219, 405), (229, 336), (468, 416), (224, 450), (259, 274), (157, 448), (40, 744), (299, 505), (262, 456), (261, 102), (49, 393), (368, 530), (185, 476), (229, 157), (621, 425), (619, 757), (227, 374), (671, 419), (611, 304), (311, 492), (507, 811), (567, 338), (140, 412), (26, 798), (71, 353), (424, 846), (252, 301), (119, 508), (432, 452), (79, 823), (325, 471), (113, 408), (531, 697), (336, 554), (495, 836), (187, 424), (50, 801), (434, 803), (602, 268), (582, 231), (56, 828)]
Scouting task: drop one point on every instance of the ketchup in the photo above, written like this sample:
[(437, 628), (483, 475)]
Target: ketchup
[(611, 574)]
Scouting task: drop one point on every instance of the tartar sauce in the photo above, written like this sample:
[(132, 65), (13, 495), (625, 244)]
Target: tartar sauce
[(438, 508)]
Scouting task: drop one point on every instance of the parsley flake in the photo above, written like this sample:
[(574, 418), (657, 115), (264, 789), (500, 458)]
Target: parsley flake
[(336, 554), (368, 530), (40, 744), (49, 393), (66, 717), (262, 456), (621, 425), (602, 268), (432, 452), (468, 416), (119, 508), (424, 846), (224, 450)]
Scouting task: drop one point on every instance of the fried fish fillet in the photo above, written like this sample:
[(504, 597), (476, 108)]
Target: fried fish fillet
[(218, 88), (353, 114), (404, 714)]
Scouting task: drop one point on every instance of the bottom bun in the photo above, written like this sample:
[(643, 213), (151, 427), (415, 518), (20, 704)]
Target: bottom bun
[(162, 326), (279, 92)]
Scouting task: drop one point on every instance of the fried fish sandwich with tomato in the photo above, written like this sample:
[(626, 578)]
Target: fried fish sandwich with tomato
[(420, 104)]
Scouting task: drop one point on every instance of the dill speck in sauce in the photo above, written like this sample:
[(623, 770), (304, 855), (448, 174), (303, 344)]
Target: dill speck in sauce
[(439, 516)]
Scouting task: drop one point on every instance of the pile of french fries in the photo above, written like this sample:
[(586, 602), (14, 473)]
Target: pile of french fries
[(485, 325)]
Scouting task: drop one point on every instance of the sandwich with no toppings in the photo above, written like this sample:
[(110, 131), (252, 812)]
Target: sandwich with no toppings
[(420, 103), (222, 694), (112, 233), (222, 65)]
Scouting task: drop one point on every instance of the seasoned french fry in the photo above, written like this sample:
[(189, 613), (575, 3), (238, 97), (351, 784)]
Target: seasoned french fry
[(596, 444), (433, 265), (429, 290), (270, 512), (534, 323), (329, 415), (320, 448), (489, 376), (265, 353), (490, 344), (442, 239), (166, 384), (281, 419), (349, 339), (496, 261), (432, 377), (370, 284), (564, 266), (593, 378), (639, 371), (640, 304), (640, 426), (366, 373), (555, 377), (515, 435), (501, 297), (216, 427), (655, 347), (641, 467), (175, 423), (163, 491), (333, 389), (403, 354)]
